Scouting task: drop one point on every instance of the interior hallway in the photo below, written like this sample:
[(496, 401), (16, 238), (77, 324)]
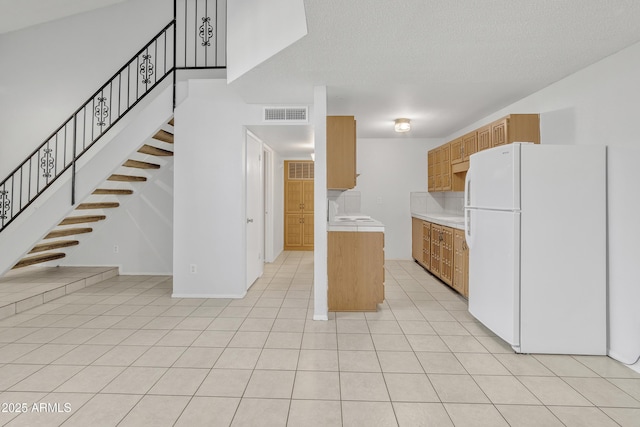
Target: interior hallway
[(123, 352)]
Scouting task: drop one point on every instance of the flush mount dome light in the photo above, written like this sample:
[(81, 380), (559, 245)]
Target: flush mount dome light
[(402, 125)]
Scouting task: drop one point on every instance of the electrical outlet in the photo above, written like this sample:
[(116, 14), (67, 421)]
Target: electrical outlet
[(193, 269), (116, 249)]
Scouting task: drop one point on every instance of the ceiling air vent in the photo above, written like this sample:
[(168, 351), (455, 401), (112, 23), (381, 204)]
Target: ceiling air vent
[(286, 114)]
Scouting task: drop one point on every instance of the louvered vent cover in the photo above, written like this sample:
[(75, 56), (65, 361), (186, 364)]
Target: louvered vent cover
[(285, 114), (301, 170)]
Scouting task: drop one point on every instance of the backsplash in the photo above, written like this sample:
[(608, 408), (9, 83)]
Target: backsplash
[(343, 203), (423, 202)]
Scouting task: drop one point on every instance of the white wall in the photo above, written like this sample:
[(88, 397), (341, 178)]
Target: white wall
[(595, 106), (209, 184), (389, 170), (141, 227), (49, 70), (254, 37)]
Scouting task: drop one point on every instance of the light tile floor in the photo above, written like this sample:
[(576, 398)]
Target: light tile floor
[(123, 352)]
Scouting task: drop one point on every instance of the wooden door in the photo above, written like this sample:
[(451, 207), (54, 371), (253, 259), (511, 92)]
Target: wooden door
[(459, 264), (457, 155), (469, 145), (431, 170), (426, 244), (484, 138), (292, 231), (307, 196), (436, 236), (446, 255), (416, 239), (341, 152), (307, 231), (499, 132), (293, 199), (445, 167), (298, 205)]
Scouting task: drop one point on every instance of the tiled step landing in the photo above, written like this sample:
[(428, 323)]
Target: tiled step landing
[(29, 287)]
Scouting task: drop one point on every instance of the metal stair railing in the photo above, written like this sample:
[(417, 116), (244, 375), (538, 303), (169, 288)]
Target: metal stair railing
[(150, 66)]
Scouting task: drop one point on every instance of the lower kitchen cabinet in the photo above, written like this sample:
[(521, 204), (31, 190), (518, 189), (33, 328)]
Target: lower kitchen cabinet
[(417, 246), (355, 267), (444, 253), (460, 263)]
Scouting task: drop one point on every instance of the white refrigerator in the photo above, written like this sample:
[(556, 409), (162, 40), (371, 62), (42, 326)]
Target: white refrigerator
[(535, 224)]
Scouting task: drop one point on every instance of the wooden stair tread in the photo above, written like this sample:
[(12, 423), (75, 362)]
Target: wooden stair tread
[(98, 205), (164, 136), (37, 259), (126, 178), (171, 121), (68, 232), (120, 191), (81, 219), (154, 151), (53, 245), (140, 165)]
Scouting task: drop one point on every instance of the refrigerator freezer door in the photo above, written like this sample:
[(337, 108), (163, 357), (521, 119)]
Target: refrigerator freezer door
[(493, 179), (494, 272)]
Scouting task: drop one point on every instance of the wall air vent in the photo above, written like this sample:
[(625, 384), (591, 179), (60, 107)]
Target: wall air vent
[(286, 114)]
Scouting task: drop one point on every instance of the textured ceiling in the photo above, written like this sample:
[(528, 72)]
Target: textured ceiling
[(442, 63)]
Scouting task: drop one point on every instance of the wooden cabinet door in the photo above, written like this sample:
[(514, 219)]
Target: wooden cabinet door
[(294, 196), (436, 236), (431, 170), (457, 155), (417, 239), (445, 167), (499, 132), (307, 230), (341, 152), (459, 262), (469, 145), (446, 255), (426, 244), (293, 230), (298, 205), (484, 138), (307, 196), (355, 270)]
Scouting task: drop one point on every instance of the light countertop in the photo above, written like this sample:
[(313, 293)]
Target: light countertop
[(358, 223), (441, 218)]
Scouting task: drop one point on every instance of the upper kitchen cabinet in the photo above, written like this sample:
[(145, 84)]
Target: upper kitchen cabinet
[(341, 152), (516, 128), (439, 170), (431, 170), (454, 155), (483, 138), (456, 151)]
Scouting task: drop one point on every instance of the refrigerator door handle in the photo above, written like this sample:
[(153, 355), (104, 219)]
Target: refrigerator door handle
[(467, 188), (467, 228)]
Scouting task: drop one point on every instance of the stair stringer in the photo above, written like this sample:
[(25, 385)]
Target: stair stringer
[(54, 205)]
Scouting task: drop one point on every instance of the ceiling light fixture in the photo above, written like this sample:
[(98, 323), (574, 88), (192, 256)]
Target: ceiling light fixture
[(402, 125)]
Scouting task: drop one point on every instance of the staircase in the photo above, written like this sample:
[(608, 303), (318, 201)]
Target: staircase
[(101, 201)]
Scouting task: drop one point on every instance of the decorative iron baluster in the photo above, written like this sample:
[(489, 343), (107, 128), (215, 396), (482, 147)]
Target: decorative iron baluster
[(146, 69), (47, 162), (5, 204), (206, 31), (101, 111)]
